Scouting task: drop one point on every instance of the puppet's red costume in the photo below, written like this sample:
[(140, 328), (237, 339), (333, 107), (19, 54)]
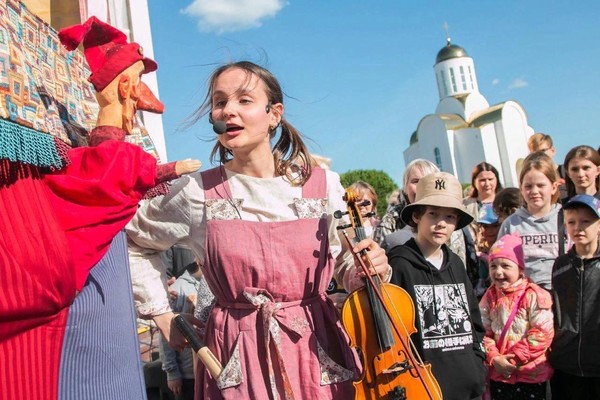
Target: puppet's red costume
[(66, 313)]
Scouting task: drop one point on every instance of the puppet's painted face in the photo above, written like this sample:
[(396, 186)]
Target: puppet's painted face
[(130, 89)]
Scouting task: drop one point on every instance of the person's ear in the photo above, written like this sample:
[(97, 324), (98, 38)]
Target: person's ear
[(276, 111), (125, 86), (555, 187), (415, 218)]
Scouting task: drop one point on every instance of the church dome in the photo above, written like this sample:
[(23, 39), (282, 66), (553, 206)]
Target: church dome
[(450, 51)]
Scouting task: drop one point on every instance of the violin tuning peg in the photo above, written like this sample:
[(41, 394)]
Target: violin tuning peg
[(340, 227), (338, 214)]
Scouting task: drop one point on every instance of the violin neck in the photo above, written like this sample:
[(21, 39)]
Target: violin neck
[(360, 233), (380, 318)]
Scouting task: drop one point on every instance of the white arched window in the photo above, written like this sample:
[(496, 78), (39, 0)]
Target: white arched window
[(462, 78), (453, 80)]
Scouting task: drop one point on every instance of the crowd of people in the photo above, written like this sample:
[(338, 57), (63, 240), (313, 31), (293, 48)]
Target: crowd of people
[(531, 259), (505, 282)]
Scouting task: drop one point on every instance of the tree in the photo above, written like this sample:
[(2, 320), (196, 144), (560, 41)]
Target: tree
[(381, 182)]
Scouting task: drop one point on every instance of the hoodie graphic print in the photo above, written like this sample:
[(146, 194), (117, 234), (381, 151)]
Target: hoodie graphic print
[(444, 320)]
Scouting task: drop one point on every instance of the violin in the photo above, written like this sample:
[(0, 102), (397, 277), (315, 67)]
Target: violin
[(379, 318)]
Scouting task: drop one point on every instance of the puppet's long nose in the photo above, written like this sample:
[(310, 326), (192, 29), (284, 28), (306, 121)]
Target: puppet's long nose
[(148, 101)]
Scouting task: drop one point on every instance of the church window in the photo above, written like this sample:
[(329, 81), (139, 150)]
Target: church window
[(471, 78), (444, 86), (453, 79), (438, 157), (462, 78)]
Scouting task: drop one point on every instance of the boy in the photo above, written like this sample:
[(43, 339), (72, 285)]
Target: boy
[(575, 353), (449, 328)]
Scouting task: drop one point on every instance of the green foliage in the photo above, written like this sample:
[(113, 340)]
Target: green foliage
[(381, 182)]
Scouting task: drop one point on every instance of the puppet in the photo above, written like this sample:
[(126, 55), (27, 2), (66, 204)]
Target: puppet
[(67, 322)]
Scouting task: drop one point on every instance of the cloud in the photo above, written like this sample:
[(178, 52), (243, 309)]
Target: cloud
[(517, 84), (222, 16), (495, 82)]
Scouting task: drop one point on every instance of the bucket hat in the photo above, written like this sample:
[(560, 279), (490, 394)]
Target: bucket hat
[(439, 189)]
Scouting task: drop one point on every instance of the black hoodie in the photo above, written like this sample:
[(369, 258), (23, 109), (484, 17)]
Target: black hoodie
[(449, 328)]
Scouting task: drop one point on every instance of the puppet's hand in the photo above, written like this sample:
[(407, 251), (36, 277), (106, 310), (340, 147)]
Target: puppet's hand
[(187, 166)]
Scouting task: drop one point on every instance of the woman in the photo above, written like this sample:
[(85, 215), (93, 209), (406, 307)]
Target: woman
[(267, 244), (582, 166), (367, 201), (485, 181), (391, 221)]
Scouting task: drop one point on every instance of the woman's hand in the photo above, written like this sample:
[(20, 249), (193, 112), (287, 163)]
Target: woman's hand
[(503, 365), (175, 386), (166, 324), (376, 255)]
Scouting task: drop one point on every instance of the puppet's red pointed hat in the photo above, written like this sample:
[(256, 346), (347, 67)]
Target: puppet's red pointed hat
[(106, 50)]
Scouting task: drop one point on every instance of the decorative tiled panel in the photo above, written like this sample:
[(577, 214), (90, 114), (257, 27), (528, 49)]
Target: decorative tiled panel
[(42, 85)]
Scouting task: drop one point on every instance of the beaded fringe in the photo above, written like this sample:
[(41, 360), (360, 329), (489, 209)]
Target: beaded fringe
[(25, 145)]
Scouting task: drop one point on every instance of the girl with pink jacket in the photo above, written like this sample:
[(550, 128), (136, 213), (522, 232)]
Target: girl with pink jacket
[(519, 327)]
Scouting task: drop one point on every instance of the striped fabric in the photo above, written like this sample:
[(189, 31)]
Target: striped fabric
[(36, 287), (101, 357)]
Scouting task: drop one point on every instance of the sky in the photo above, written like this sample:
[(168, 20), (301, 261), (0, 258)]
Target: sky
[(358, 75)]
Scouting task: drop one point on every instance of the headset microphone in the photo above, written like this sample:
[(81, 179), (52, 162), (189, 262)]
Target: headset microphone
[(219, 127)]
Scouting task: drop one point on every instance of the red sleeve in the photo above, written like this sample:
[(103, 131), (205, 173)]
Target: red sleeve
[(97, 195), (166, 172)]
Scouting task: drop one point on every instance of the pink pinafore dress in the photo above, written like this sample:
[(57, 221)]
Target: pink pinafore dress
[(273, 328)]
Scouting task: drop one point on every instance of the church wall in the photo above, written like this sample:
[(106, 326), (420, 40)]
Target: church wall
[(450, 105), (474, 103), (432, 135), (489, 136), (468, 147), (512, 139)]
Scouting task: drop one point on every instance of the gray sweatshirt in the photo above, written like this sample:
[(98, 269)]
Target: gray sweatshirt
[(540, 242)]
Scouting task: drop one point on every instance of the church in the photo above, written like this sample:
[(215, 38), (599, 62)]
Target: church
[(465, 130)]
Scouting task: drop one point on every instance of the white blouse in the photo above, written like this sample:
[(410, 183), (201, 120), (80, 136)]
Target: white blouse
[(179, 217)]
